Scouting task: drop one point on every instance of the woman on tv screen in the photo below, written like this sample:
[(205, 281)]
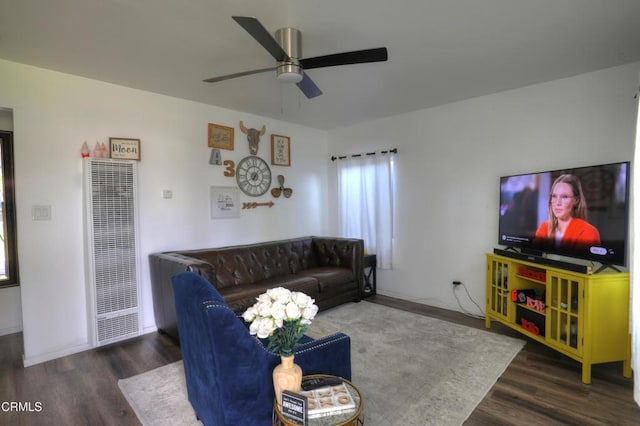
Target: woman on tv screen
[(566, 224)]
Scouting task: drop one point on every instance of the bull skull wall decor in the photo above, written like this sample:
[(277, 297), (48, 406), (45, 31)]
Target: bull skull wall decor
[(253, 136)]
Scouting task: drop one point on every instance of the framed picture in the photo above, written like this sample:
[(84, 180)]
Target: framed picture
[(280, 150), (124, 148), (225, 203), (220, 137)]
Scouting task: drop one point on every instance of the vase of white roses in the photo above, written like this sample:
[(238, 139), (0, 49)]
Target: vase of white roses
[(283, 317)]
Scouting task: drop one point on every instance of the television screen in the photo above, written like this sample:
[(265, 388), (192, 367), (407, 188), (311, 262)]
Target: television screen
[(581, 212)]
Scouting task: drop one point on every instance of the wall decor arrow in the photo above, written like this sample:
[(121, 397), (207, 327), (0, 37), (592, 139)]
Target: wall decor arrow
[(253, 205)]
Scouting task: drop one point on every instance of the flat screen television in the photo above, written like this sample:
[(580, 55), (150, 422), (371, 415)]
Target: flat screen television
[(579, 212)]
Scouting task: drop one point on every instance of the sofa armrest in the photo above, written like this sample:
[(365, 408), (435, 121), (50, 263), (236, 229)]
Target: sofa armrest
[(163, 266), (327, 355), (341, 252)]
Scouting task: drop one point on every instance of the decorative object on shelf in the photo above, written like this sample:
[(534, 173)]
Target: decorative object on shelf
[(253, 205), (253, 176), (97, 151), (280, 150), (230, 168), (520, 296), (534, 274), (215, 158), (84, 150), (224, 202), (253, 136), (282, 190), (283, 316), (220, 137), (536, 304), (124, 148)]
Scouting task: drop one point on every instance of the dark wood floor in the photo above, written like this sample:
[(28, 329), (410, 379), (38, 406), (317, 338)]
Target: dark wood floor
[(540, 387)]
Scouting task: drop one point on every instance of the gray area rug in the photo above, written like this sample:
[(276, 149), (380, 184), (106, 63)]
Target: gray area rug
[(411, 369)]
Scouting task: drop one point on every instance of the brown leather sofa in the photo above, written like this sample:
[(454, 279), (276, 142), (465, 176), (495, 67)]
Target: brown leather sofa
[(325, 268)]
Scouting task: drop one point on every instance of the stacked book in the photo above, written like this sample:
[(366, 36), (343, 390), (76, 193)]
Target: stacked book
[(328, 400)]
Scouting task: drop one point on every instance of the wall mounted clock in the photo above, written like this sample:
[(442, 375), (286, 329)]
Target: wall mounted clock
[(253, 176)]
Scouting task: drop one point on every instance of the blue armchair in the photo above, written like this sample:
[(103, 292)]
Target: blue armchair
[(228, 371)]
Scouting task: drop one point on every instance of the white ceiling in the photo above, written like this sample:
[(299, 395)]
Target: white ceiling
[(440, 51)]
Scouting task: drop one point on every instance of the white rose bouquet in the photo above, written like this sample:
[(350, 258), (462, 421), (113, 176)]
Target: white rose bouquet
[(283, 316)]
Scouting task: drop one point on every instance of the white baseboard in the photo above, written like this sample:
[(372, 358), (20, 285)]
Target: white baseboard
[(10, 330), (48, 356), (33, 360), (150, 329)]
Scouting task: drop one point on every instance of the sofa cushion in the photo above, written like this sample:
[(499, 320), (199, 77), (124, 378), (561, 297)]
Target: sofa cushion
[(305, 284), (329, 277)]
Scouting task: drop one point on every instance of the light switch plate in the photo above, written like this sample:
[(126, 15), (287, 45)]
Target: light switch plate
[(41, 212)]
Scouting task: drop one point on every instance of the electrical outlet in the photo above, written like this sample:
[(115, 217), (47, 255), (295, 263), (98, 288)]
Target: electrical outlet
[(456, 283)]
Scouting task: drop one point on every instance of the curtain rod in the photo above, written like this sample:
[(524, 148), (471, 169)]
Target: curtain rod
[(342, 157)]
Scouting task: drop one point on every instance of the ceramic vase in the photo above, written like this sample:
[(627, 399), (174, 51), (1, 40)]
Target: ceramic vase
[(286, 376)]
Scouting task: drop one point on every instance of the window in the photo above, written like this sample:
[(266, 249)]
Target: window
[(366, 203), (8, 249)]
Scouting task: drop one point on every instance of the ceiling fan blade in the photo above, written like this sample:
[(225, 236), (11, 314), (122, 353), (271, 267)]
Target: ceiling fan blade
[(356, 57), (238, 74), (262, 36), (308, 87)]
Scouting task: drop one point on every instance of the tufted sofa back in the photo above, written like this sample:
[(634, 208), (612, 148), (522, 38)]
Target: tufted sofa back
[(247, 264)]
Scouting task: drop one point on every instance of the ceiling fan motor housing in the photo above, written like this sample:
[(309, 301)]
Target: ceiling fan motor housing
[(290, 39)]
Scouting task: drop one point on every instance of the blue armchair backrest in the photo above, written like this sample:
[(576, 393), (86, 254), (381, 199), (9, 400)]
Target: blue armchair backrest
[(229, 372)]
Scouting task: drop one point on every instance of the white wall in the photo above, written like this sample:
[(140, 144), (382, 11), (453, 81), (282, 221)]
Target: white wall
[(450, 160), (54, 113)]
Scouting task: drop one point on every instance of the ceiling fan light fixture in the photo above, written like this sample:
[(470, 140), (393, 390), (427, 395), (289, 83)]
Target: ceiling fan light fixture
[(290, 39), (289, 72)]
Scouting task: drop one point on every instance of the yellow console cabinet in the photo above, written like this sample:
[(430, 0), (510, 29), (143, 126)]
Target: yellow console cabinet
[(583, 316)]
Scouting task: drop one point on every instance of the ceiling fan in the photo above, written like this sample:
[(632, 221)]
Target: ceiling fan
[(286, 48)]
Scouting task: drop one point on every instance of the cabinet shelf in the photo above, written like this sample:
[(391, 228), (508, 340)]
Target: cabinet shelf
[(524, 277), (586, 316), (528, 308)]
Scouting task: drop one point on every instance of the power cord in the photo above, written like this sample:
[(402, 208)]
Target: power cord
[(464, 311)]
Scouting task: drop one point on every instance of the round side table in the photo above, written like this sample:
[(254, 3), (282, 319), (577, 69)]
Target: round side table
[(351, 418)]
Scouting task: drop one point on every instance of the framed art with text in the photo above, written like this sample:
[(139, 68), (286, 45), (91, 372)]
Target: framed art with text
[(224, 202), (280, 150), (220, 137), (124, 148)]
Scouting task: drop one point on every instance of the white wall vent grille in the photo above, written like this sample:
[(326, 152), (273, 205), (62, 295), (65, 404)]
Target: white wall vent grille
[(112, 250), (110, 328)]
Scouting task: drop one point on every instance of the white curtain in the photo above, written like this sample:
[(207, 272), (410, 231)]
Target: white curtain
[(366, 203), (635, 264)]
